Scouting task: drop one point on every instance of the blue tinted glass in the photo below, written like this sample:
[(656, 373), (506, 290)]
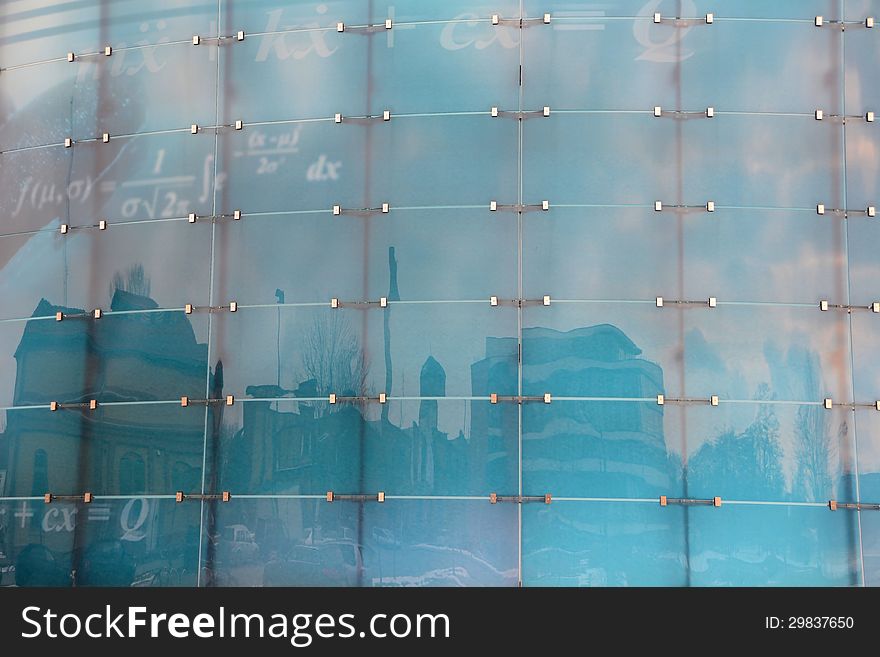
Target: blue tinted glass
[(792, 9), (871, 548), (604, 544), (770, 452), (130, 354), (84, 268), (867, 423), (38, 541), (351, 351), (476, 252), (772, 546), (125, 449), (602, 449)]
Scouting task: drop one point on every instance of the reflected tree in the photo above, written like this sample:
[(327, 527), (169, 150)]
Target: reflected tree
[(333, 357), (134, 281)]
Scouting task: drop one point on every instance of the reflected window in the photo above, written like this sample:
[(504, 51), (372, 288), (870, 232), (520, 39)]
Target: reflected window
[(41, 473), (132, 474)]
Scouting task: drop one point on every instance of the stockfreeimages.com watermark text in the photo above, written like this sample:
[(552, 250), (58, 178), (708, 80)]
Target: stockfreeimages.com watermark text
[(300, 629)]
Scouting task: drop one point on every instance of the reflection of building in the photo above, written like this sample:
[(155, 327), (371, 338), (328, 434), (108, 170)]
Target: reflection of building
[(595, 444), (129, 449)]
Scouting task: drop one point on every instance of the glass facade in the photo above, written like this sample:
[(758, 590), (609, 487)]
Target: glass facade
[(439, 292)]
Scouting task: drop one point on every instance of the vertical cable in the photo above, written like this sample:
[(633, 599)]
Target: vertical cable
[(210, 300)]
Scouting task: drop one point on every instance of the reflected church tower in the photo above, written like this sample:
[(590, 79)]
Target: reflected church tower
[(432, 383)]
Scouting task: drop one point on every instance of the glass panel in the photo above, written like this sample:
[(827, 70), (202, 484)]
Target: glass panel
[(863, 233), (577, 63), (292, 167), (599, 253), (36, 543), (865, 337), (130, 356), (639, 164), (319, 350), (603, 544), (791, 9), (265, 16), (179, 79), (37, 189), (446, 160), (770, 452), (767, 352), (31, 100), (476, 253), (772, 546), (460, 10), (862, 162), (602, 449), (602, 350), (295, 75), (125, 449), (871, 547), (441, 543), (165, 262), (767, 256), (398, 543), (447, 68), (867, 422)]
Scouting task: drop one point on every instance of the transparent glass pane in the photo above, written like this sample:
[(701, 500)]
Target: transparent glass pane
[(355, 257), (865, 336), (447, 10), (41, 557), (125, 449), (599, 253), (862, 162), (446, 68), (165, 262), (445, 160), (398, 543), (295, 75), (776, 256), (37, 189), (772, 546), (645, 159), (770, 452), (38, 107), (871, 548), (604, 544), (790, 9), (130, 356), (767, 352), (441, 543), (864, 268), (867, 422), (292, 167), (602, 350), (272, 16), (602, 449), (349, 351), (179, 79)]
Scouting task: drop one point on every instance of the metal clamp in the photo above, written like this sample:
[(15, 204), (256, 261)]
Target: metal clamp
[(867, 117), (180, 496), (495, 206), (97, 313), (711, 302), (365, 29), (235, 215), (520, 115), (362, 120), (381, 303), (820, 21), (199, 40), (825, 306), (338, 211), (662, 400), (333, 398), (834, 505), (708, 19), (189, 308), (520, 303), (496, 19), (185, 401), (546, 398), (65, 229), (494, 498), (336, 497), (666, 501), (195, 128), (707, 113), (708, 206), (870, 211), (87, 498), (90, 405)]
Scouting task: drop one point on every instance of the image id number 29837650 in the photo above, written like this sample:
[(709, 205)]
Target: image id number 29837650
[(809, 623)]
